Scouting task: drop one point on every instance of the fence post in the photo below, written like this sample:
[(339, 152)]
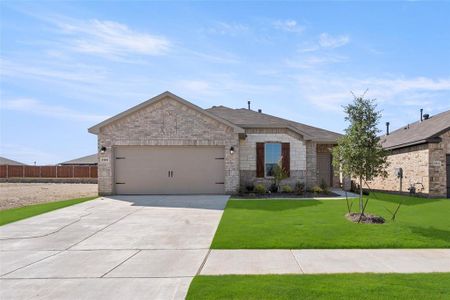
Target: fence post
[(23, 171), (56, 172), (7, 171)]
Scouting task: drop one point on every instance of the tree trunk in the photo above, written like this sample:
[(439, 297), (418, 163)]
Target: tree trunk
[(361, 202)]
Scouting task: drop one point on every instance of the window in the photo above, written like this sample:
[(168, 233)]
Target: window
[(272, 157)]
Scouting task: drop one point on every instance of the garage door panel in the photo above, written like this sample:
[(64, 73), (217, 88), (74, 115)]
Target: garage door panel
[(169, 170)]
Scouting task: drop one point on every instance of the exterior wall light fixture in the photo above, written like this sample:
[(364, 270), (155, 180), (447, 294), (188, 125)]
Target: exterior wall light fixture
[(231, 150), (102, 149)]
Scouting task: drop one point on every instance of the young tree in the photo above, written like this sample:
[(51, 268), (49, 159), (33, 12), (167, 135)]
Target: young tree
[(279, 174), (359, 153)]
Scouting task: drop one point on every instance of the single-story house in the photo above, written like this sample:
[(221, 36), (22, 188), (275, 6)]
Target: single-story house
[(419, 156), (88, 160), (167, 145), (10, 162)]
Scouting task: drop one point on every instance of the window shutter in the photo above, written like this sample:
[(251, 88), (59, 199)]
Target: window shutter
[(259, 159), (286, 154)]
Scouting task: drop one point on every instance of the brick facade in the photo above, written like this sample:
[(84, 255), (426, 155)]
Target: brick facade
[(167, 123), (414, 162), (424, 166), (437, 167), (248, 155)]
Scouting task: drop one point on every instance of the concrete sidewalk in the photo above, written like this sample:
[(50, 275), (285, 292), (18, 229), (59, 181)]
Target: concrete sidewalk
[(221, 262)]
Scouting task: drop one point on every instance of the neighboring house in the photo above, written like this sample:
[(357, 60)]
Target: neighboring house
[(167, 145), (419, 157), (6, 161), (89, 160)]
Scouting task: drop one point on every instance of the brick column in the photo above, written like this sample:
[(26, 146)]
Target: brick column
[(311, 164)]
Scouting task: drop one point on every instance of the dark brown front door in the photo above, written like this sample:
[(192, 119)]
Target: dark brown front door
[(324, 168)]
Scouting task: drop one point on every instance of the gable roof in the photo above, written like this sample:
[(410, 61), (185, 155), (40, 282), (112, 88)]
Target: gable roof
[(85, 160), (418, 132), (95, 129), (246, 118), (7, 161)]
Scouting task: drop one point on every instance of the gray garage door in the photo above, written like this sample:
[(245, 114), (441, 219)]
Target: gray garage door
[(169, 170)]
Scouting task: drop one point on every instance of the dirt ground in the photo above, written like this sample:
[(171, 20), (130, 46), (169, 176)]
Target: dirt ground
[(21, 194)]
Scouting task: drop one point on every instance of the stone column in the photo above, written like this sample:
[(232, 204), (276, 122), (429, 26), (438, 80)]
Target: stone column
[(311, 164)]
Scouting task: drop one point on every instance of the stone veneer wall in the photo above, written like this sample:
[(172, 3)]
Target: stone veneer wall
[(167, 122), (248, 155), (311, 164), (425, 164), (414, 162), (437, 168)]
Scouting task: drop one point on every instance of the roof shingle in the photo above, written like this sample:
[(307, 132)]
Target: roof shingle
[(417, 132), (246, 118)]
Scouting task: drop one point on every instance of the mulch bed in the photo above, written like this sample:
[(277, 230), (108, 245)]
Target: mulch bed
[(366, 218), (284, 195)]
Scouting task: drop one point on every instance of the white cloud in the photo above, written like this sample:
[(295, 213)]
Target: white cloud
[(33, 106), (110, 39), (313, 61), (231, 29), (196, 86), (67, 72), (289, 26), (325, 41), (331, 91), (219, 87), (328, 41), (74, 80)]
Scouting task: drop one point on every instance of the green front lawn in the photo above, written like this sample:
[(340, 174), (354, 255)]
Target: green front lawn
[(336, 286), (16, 214), (303, 224)]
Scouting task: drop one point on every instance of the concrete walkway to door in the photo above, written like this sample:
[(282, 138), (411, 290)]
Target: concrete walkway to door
[(124, 247)]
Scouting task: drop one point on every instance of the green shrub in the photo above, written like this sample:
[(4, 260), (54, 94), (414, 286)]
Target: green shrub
[(286, 189), (273, 188), (260, 188), (299, 188), (316, 189), (250, 187), (324, 187)]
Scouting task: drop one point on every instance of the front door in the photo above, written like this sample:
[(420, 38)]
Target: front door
[(324, 168)]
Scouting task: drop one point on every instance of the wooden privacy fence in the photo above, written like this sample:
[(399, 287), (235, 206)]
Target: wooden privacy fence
[(11, 171)]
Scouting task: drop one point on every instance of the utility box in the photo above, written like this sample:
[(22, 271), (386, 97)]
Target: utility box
[(399, 172)]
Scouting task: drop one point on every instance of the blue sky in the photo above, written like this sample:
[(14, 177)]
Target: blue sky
[(66, 66)]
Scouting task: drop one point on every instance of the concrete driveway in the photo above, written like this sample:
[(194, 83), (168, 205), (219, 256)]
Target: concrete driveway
[(127, 247)]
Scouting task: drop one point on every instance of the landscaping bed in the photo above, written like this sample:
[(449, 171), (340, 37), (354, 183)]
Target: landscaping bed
[(321, 224), (306, 195)]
